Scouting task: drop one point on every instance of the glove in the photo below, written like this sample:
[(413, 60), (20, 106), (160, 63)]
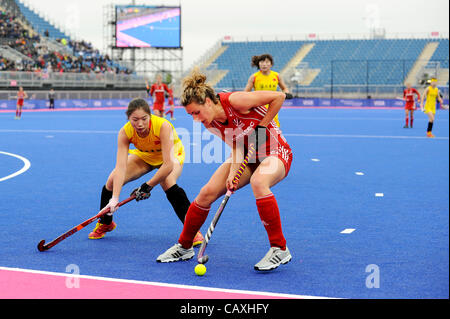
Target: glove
[(289, 96), (258, 136), (113, 205), (142, 192)]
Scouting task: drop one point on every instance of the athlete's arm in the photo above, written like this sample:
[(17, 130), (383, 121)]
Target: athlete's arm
[(166, 137), (250, 83), (418, 94), (423, 97), (237, 156), (152, 90), (282, 85), (244, 101), (123, 144), (439, 97)]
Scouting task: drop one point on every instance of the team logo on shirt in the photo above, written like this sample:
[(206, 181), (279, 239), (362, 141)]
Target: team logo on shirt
[(238, 123)]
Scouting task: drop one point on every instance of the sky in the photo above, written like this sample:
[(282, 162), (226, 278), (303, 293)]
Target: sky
[(205, 22)]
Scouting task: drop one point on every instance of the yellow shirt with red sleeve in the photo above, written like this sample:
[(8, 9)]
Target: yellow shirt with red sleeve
[(267, 82), (430, 104), (149, 148)]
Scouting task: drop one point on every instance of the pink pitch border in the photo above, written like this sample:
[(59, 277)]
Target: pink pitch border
[(18, 283)]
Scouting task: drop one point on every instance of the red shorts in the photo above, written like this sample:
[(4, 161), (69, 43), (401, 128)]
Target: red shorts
[(283, 152), (20, 102), (410, 106), (158, 107)]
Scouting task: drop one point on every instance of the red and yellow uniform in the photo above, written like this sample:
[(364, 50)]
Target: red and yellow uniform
[(408, 95), (20, 97), (276, 144), (430, 104), (158, 89), (149, 148), (267, 83)]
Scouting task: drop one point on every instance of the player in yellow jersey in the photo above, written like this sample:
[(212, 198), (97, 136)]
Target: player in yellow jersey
[(157, 147), (266, 79), (431, 93)]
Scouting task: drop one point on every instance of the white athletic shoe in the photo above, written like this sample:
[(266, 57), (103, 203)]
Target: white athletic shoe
[(274, 258), (176, 253)]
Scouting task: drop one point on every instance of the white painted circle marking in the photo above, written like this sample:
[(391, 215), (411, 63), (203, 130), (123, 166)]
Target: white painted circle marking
[(25, 167)]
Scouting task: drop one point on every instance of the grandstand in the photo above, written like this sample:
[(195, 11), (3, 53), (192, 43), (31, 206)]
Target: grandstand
[(46, 56), (381, 65), (39, 24)]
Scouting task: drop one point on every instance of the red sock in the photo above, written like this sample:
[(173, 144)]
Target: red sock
[(412, 119), (195, 217), (407, 120), (270, 217)]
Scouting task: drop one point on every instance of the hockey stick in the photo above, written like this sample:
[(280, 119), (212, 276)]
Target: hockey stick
[(201, 257), (43, 247)]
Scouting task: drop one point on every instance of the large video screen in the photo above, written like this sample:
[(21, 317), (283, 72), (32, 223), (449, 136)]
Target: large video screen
[(148, 26)]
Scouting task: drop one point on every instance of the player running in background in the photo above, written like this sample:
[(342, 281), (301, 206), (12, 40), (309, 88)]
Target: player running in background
[(158, 89), (410, 105), (266, 79), (237, 118), (21, 95), (431, 94), (157, 147), (170, 102)]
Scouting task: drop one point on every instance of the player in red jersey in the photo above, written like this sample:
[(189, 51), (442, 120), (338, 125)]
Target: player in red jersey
[(410, 105), (158, 89), (21, 95), (170, 102), (238, 118)]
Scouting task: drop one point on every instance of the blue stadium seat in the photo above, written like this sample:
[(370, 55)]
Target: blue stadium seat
[(39, 24), (390, 60)]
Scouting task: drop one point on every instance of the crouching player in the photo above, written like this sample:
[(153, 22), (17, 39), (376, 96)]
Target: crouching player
[(238, 112), (157, 147)]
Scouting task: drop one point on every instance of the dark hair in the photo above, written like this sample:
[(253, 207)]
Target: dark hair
[(258, 58), (195, 89), (138, 103)]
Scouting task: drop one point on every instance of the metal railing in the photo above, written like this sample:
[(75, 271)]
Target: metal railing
[(11, 79), (76, 95)]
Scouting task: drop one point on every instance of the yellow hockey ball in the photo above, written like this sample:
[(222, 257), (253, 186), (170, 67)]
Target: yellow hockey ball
[(200, 270)]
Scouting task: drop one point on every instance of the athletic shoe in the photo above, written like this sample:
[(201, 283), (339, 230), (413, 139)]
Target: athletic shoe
[(198, 239), (274, 258), (101, 229), (172, 118), (176, 253), (429, 134), (406, 126)]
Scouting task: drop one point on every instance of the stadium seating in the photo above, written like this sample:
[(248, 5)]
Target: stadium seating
[(441, 53), (39, 24), (30, 49), (377, 61)]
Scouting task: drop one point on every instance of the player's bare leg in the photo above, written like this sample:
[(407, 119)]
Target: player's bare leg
[(270, 172), (136, 168)]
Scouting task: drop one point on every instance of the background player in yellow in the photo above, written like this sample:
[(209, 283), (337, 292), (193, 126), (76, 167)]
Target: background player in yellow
[(431, 94), (157, 147), (266, 79)]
